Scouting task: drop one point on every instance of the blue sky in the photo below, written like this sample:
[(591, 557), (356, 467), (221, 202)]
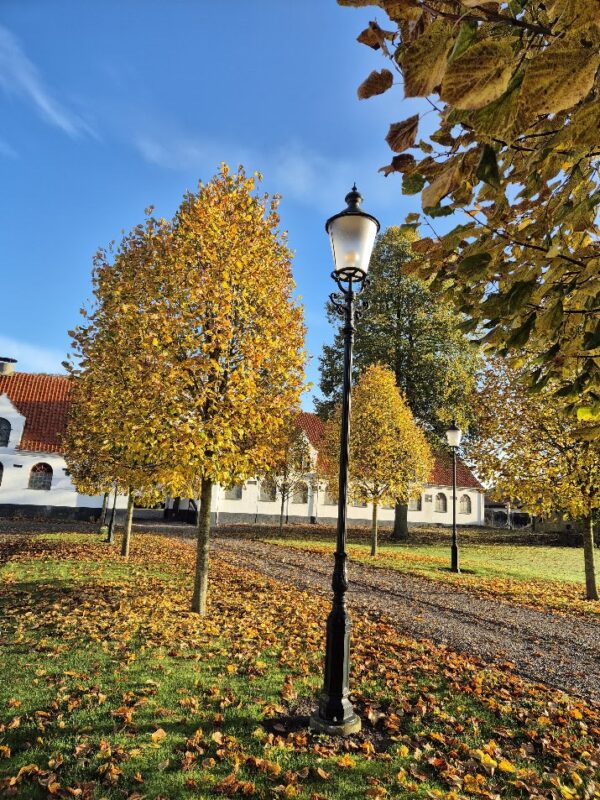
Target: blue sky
[(108, 106)]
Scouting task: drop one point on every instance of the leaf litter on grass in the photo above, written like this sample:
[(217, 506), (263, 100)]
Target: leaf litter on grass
[(120, 691)]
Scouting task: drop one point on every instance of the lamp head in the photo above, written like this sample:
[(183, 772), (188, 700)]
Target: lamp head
[(454, 435), (352, 235)]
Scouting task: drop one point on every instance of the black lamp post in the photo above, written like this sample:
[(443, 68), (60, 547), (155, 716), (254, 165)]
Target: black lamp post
[(352, 234), (454, 435)]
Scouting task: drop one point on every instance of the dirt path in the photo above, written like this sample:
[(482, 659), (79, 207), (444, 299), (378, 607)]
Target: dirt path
[(558, 650)]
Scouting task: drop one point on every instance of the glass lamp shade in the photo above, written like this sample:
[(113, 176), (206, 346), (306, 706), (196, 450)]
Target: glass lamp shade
[(454, 435), (352, 236)]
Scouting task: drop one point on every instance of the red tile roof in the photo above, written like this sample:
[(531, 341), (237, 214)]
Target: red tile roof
[(313, 427), (441, 474), (44, 402)]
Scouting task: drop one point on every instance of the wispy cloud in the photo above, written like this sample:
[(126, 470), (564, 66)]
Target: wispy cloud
[(19, 76), (31, 357), (293, 169)]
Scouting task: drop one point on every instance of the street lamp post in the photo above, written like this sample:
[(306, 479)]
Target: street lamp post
[(352, 234), (454, 435)]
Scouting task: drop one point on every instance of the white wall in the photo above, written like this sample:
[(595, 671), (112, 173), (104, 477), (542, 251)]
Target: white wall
[(17, 464), (249, 507), (15, 480)]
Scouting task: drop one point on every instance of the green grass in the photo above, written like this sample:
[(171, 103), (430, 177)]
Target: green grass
[(515, 561), (98, 655)]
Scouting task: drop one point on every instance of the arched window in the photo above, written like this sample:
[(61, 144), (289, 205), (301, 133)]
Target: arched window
[(268, 491), (40, 477), (1, 473), (4, 432), (234, 492), (464, 505), (300, 496), (441, 503), (414, 504)]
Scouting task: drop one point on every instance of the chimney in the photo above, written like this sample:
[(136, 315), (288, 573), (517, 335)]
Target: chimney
[(7, 365)]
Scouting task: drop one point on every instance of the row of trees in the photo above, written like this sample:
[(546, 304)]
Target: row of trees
[(189, 366)]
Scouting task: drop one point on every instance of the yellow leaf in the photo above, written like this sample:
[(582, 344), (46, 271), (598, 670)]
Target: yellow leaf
[(505, 766), (159, 735)]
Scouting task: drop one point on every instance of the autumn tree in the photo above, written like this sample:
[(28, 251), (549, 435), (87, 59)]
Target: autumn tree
[(417, 335), (234, 345), (292, 465), (530, 450), (509, 153), (390, 458), (115, 432)]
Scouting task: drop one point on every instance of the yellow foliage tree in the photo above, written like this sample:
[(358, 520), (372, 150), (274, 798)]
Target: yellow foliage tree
[(234, 348), (118, 393), (531, 450), (389, 455), (193, 356)]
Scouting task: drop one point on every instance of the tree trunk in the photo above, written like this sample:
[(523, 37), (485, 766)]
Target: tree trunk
[(374, 531), (128, 523), (201, 576), (591, 592), (281, 513), (111, 525), (104, 510), (400, 532)]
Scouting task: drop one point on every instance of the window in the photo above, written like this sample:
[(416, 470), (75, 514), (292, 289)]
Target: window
[(359, 503), (414, 504), (40, 477), (441, 503), (330, 498), (234, 492), (300, 496), (464, 506), (4, 432), (1, 473), (268, 491)]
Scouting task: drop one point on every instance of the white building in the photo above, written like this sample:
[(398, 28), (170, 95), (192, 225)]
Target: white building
[(34, 477), (256, 502)]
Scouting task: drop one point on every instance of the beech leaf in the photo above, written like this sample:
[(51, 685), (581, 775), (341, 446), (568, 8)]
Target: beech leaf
[(402, 135), (424, 62), (402, 163), (562, 74), (487, 169), (480, 75), (376, 83), (439, 187)]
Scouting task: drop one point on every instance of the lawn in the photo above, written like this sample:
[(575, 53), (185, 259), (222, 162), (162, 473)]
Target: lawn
[(538, 575), (110, 688)]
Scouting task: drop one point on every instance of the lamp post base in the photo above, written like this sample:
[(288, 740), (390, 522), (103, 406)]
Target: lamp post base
[(454, 562), (345, 728)]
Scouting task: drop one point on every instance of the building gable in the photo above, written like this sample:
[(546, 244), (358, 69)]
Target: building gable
[(42, 402)]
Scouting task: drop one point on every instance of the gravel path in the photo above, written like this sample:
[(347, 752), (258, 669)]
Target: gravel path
[(558, 650)]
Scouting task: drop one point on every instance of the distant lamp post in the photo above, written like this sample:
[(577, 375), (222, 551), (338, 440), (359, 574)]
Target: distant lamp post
[(352, 234), (454, 435)]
